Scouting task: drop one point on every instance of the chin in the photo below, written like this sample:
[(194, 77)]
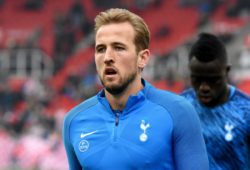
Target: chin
[(115, 90), (115, 87), (111, 84), (209, 104)]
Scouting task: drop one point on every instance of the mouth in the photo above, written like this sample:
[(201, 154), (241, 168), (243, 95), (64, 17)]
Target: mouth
[(110, 72), (205, 99)]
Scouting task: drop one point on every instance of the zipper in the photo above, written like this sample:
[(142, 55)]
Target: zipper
[(116, 126), (116, 119)]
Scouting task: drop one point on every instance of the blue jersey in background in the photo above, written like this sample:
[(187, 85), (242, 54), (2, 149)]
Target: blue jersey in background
[(226, 130)]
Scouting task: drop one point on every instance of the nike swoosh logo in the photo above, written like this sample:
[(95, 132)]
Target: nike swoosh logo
[(83, 135)]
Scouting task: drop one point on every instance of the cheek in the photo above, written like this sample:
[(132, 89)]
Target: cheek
[(97, 63), (128, 64), (195, 85), (221, 89)]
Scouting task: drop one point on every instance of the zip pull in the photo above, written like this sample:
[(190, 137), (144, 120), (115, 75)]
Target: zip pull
[(117, 114), (116, 119)]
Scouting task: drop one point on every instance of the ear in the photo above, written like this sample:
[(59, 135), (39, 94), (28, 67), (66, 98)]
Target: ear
[(143, 58), (228, 68)]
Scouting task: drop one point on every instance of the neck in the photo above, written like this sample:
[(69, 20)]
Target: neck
[(227, 94), (118, 101)]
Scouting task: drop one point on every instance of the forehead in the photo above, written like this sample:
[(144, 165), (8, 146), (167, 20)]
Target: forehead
[(115, 31), (206, 69)]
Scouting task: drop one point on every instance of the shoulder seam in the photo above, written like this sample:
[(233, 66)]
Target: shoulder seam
[(74, 114)]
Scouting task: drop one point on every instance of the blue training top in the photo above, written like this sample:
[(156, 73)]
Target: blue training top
[(157, 130), (226, 130)]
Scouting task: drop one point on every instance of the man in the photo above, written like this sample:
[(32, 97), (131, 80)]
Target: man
[(224, 111), (130, 124)]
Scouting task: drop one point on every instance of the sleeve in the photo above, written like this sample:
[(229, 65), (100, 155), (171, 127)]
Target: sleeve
[(247, 118), (72, 159), (189, 146)]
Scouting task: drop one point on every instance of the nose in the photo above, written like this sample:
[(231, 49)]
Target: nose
[(204, 87), (109, 56)]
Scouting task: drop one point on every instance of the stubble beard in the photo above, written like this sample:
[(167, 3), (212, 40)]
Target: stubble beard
[(121, 87)]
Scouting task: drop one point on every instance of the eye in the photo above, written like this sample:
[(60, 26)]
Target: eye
[(100, 49), (216, 80), (119, 48), (208, 80), (197, 80)]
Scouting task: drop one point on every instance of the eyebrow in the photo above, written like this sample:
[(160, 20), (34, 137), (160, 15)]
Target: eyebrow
[(112, 44)]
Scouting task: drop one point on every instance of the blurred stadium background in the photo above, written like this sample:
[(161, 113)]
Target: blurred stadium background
[(47, 66)]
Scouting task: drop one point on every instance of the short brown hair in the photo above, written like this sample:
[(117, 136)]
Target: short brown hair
[(117, 15)]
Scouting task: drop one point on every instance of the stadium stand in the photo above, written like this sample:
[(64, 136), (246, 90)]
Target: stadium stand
[(32, 108)]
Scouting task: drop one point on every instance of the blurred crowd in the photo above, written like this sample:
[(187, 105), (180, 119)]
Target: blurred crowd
[(32, 115)]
